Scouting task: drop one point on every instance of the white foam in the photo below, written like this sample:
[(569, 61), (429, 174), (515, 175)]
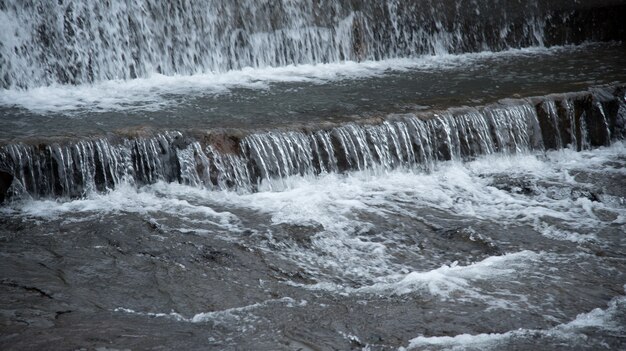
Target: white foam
[(603, 319), (480, 281), (342, 251), (464, 189), (126, 199), (342, 214), (227, 316), (155, 92), (449, 279)]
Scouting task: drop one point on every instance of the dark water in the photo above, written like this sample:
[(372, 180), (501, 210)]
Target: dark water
[(334, 95)]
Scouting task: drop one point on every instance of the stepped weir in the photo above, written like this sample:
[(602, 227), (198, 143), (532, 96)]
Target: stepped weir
[(312, 174), (242, 159), (74, 42), (68, 43)]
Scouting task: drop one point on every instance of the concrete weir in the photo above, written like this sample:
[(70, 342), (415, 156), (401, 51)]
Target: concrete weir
[(67, 44), (242, 159), (312, 175)]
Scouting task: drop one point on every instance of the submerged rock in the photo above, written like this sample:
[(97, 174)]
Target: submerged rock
[(467, 239)]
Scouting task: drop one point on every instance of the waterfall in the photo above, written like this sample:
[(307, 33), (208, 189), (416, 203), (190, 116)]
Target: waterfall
[(74, 42), (412, 141)]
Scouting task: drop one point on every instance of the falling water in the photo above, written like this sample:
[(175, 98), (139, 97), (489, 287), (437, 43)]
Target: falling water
[(72, 42), (277, 174), (409, 141)]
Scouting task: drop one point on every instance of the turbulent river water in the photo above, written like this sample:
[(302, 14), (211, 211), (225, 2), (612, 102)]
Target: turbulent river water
[(505, 251), (312, 175)]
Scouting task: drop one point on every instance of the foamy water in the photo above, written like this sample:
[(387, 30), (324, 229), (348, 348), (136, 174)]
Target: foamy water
[(183, 175), (341, 210), (530, 240), (235, 314), (604, 319), (160, 91)]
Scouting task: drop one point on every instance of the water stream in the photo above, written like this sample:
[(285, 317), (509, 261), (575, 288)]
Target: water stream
[(312, 175)]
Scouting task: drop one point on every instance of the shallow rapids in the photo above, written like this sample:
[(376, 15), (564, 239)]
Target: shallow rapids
[(312, 175), (532, 241)]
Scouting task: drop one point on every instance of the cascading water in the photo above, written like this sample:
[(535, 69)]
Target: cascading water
[(73, 42), (402, 141), (312, 174)]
